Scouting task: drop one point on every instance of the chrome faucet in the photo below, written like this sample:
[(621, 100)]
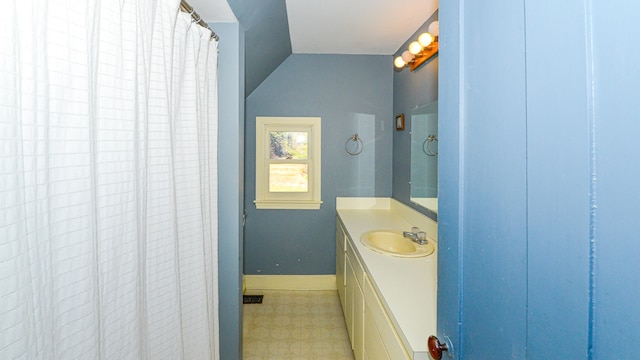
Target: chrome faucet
[(416, 235)]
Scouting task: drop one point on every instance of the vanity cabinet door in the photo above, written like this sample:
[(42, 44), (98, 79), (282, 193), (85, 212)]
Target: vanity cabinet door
[(373, 343), (379, 330), (340, 263), (349, 296), (358, 324), (354, 314)]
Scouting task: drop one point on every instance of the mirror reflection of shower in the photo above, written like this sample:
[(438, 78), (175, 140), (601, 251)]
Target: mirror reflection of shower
[(424, 159), (431, 148)]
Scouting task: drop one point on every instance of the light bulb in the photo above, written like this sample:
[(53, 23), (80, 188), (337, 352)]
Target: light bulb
[(425, 39), (407, 56), (434, 28), (398, 62), (415, 48)]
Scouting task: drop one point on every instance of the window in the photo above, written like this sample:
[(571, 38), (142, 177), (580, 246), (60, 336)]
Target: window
[(287, 163)]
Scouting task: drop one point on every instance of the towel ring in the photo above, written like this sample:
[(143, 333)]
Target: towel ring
[(428, 141), (359, 145)]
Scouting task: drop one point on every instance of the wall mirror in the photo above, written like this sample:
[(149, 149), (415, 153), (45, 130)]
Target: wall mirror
[(424, 156)]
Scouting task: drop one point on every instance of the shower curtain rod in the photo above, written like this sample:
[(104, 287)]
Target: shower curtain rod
[(184, 6)]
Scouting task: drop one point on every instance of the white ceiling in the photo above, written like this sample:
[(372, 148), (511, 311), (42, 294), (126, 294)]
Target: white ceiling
[(341, 26), (213, 10), (354, 26)]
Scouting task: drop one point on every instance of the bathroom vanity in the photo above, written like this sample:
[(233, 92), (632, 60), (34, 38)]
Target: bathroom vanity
[(389, 302)]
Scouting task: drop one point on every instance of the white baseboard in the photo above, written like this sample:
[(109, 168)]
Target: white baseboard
[(290, 282)]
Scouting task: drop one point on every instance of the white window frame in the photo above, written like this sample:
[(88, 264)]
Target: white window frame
[(310, 200)]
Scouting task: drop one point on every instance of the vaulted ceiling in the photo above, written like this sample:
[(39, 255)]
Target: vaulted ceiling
[(369, 27), (274, 29)]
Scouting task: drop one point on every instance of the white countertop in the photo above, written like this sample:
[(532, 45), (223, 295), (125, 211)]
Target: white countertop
[(408, 286)]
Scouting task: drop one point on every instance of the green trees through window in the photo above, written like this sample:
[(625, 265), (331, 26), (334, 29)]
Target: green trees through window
[(288, 145), (288, 176)]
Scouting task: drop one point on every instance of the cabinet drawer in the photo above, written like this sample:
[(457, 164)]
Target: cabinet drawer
[(386, 331), (355, 262)]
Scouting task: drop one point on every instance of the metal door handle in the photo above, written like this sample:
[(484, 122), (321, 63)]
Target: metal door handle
[(436, 347)]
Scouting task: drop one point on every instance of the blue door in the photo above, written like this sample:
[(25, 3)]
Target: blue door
[(539, 179)]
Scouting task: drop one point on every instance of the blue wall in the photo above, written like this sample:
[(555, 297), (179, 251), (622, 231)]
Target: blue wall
[(558, 181), (411, 89), (266, 34), (615, 129), (352, 94), (538, 237), (230, 182)]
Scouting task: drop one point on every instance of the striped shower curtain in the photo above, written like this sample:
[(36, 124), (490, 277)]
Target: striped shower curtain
[(108, 181)]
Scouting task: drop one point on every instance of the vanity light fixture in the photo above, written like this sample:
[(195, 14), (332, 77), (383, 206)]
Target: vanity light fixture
[(421, 50)]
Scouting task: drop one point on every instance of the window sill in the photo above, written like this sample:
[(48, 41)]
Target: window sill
[(288, 204)]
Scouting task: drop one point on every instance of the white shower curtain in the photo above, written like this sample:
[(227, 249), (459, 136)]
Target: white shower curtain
[(108, 181)]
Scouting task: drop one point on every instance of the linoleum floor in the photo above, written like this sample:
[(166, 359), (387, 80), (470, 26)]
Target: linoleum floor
[(295, 325)]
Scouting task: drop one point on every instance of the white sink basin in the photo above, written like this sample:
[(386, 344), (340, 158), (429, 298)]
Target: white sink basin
[(391, 242)]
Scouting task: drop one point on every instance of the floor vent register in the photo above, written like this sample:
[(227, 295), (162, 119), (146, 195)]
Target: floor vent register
[(252, 299)]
